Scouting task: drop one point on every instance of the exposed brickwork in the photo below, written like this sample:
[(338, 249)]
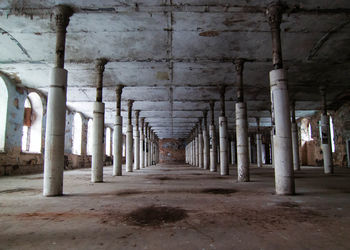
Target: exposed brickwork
[(171, 151)]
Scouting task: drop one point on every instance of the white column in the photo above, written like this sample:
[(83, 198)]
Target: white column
[(283, 158), (213, 150), (98, 128), (97, 142), (118, 146), (129, 147), (149, 147), (295, 145), (194, 151), (258, 151), (146, 145), (206, 159), (242, 142), (196, 155), (55, 133), (326, 145), (129, 140), (56, 111), (142, 144), (200, 145), (272, 148), (118, 135), (233, 153), (282, 139), (137, 142), (295, 140), (223, 145)]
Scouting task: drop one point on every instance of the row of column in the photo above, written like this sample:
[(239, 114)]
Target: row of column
[(142, 147)]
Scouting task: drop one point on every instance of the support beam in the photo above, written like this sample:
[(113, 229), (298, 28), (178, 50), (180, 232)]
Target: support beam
[(200, 144), (206, 159), (56, 110), (142, 143), (118, 134), (129, 139), (146, 145), (137, 141), (325, 136), (283, 157), (223, 135), (258, 145), (212, 140), (241, 126), (98, 127), (295, 140)]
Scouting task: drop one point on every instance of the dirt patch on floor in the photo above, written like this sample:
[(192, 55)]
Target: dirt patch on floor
[(16, 190), (277, 217), (155, 216), (164, 178), (129, 192), (217, 191), (52, 216), (31, 178)]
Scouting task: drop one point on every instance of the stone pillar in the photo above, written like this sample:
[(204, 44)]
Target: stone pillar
[(193, 149), (118, 135), (196, 153), (56, 111), (206, 159), (200, 144), (137, 141), (149, 147), (98, 146), (295, 140), (146, 145), (283, 156), (212, 140), (325, 137), (142, 143), (258, 145), (241, 127), (223, 135), (129, 139), (233, 152)]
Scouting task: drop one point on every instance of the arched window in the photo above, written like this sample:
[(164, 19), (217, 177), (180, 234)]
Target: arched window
[(89, 138), (3, 113), (108, 141), (77, 133), (32, 124), (305, 131)]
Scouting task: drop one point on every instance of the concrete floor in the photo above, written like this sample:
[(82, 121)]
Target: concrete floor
[(218, 212)]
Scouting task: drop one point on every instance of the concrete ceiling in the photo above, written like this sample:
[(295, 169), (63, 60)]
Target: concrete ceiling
[(171, 55)]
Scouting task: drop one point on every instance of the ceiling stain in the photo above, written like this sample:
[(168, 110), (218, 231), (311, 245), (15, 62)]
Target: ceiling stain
[(209, 33), (162, 75)]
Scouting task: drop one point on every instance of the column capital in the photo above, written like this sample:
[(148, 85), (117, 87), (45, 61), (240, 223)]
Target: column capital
[(274, 14), (100, 65), (130, 103), (205, 114), (239, 65), (119, 89), (222, 89), (62, 14)]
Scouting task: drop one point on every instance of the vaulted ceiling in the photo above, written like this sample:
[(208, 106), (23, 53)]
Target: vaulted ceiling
[(172, 55)]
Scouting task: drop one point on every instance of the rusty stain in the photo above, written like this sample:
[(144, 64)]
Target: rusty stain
[(209, 33), (15, 103), (162, 75), (232, 21)]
